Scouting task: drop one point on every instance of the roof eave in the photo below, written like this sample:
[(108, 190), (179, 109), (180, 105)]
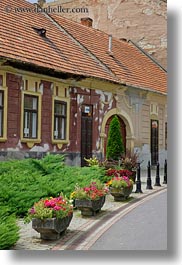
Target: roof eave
[(146, 89)]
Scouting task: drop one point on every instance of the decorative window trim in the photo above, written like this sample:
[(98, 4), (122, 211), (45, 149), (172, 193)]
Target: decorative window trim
[(29, 141), (31, 84), (60, 142), (4, 88), (154, 109)]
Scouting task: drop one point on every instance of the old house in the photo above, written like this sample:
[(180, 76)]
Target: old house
[(61, 82)]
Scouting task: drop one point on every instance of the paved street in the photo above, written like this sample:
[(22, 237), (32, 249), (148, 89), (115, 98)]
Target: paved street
[(143, 228)]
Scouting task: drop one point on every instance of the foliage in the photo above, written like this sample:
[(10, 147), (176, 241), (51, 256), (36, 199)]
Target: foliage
[(49, 164), (120, 172), (93, 161), (58, 207), (9, 231), (94, 191), (129, 161), (23, 182), (115, 147), (120, 182)]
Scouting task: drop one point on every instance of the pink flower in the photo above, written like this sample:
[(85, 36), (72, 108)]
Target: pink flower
[(57, 208), (87, 189), (32, 210)]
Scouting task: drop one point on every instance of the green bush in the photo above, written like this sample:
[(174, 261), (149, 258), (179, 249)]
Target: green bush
[(27, 181), (115, 147), (9, 231)]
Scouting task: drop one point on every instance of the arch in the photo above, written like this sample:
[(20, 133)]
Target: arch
[(129, 128)]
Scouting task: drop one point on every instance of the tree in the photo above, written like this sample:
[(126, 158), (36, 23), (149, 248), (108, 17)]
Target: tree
[(115, 147)]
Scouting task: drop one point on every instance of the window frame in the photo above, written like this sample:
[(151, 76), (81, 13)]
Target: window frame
[(65, 101), (2, 114), (4, 90), (31, 141), (30, 113), (166, 134)]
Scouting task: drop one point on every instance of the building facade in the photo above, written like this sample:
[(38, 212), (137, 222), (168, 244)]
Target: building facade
[(61, 96)]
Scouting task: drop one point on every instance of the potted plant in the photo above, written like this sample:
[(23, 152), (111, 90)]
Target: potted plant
[(129, 162), (120, 187), (50, 217), (91, 198)]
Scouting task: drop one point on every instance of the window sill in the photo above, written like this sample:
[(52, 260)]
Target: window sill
[(3, 139), (30, 142), (60, 143)]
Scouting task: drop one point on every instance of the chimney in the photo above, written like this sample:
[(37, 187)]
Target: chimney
[(110, 44), (86, 21)]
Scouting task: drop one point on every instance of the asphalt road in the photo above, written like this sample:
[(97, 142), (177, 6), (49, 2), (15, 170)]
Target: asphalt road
[(144, 228)]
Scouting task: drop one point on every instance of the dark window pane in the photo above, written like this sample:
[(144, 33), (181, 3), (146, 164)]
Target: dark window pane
[(30, 127), (60, 120), (1, 112)]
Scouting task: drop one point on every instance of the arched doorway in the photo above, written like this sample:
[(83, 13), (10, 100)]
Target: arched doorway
[(123, 132), (129, 130)]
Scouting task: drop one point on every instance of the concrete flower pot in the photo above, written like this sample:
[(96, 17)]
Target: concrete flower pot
[(51, 228), (121, 194), (89, 207)]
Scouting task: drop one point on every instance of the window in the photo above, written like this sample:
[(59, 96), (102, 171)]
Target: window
[(3, 107), (60, 116), (1, 112), (154, 141), (30, 117)]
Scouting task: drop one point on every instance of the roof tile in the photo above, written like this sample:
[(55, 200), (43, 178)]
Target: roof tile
[(73, 48)]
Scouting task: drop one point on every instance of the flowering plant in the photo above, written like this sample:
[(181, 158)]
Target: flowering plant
[(129, 161), (93, 161), (120, 182), (48, 208), (94, 191), (121, 172)]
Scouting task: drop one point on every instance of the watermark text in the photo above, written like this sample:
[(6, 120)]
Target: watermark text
[(49, 9)]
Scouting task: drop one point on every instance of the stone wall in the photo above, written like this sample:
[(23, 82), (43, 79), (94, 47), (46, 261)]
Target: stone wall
[(142, 21)]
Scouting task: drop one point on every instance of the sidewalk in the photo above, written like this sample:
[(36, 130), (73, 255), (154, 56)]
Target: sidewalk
[(83, 231)]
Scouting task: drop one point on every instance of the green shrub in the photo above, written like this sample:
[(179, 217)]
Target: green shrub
[(49, 164), (9, 231), (115, 147), (27, 181)]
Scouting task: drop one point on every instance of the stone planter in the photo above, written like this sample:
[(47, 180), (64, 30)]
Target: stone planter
[(51, 228), (89, 207), (120, 194)]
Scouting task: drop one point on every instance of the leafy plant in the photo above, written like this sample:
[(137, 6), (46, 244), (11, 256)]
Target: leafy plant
[(129, 161), (93, 161), (9, 231), (115, 147), (92, 192), (119, 172), (23, 184), (48, 208), (120, 182), (49, 163)]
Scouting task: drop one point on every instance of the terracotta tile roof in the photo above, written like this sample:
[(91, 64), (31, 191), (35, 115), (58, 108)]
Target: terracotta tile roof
[(70, 47), (19, 41), (128, 62)]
